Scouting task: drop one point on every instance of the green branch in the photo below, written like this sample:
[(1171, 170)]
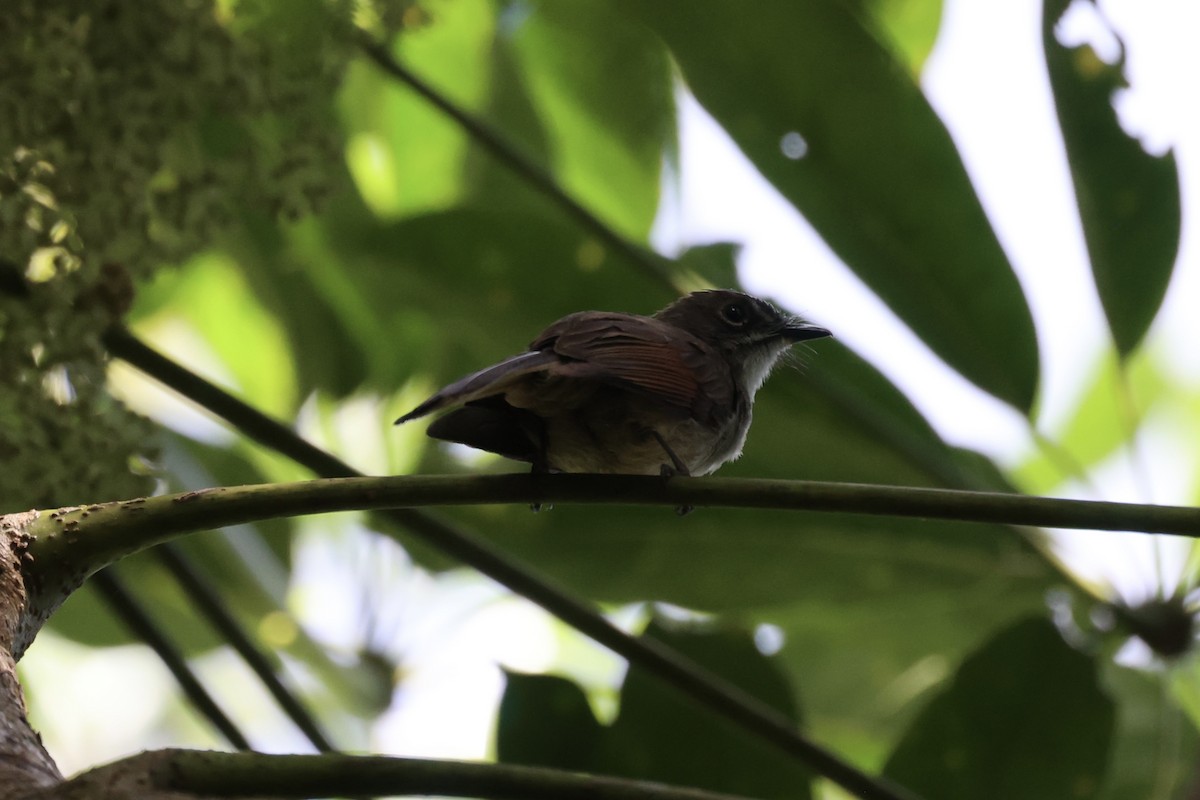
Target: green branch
[(87, 538), (212, 774)]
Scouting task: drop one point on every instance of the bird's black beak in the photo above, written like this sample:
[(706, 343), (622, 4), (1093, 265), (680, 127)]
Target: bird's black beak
[(800, 331)]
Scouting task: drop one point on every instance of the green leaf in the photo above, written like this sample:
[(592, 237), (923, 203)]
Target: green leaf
[(546, 721), (1154, 747), (407, 284), (715, 264), (603, 90), (1109, 413), (211, 294), (659, 735), (826, 113), (1024, 717), (909, 26), (406, 156), (1129, 200)]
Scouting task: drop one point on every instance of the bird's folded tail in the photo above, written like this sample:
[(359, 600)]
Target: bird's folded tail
[(490, 381)]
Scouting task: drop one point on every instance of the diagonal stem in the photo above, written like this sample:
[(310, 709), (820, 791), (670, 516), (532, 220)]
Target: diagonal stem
[(214, 608), (520, 164), (125, 605)]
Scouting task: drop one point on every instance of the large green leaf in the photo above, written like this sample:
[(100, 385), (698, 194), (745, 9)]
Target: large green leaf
[(603, 91), (913, 636), (828, 115), (659, 735), (1024, 717), (1155, 744), (1128, 200), (406, 156)]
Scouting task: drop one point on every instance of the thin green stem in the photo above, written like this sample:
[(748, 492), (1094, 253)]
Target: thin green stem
[(123, 603), (212, 606), (98, 534)]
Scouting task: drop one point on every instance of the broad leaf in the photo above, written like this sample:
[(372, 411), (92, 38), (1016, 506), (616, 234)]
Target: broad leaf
[(659, 734), (1024, 717), (1129, 200), (603, 90), (827, 114)]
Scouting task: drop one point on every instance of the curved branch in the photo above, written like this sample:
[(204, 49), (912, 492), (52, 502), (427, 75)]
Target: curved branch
[(86, 538), (212, 774), (67, 544)]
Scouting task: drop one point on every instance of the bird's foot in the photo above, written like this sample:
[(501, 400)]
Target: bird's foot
[(540, 467), (676, 467)]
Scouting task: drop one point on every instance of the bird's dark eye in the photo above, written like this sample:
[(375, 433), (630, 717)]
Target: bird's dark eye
[(734, 314)]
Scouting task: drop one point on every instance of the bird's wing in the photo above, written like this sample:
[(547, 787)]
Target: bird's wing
[(485, 383), (641, 354)]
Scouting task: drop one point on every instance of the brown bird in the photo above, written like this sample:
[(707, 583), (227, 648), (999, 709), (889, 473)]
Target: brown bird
[(606, 392)]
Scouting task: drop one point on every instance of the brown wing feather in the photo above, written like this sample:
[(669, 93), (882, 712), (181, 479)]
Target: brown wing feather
[(484, 383), (641, 354)]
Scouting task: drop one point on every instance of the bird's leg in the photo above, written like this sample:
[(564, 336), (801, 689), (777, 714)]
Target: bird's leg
[(676, 467), (540, 465)]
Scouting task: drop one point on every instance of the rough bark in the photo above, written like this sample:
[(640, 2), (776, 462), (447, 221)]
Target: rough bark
[(25, 766)]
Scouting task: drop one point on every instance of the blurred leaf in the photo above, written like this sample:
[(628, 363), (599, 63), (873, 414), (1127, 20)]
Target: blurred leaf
[(1024, 717), (85, 617), (212, 295), (1155, 744), (1101, 423), (405, 155), (603, 90), (1128, 200), (920, 625), (910, 26), (824, 112), (659, 735), (463, 288), (715, 264), (546, 721)]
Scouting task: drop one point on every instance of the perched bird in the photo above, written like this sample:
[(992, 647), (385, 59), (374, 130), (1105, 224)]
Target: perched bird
[(606, 392)]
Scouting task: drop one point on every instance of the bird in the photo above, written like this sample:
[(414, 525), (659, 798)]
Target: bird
[(607, 392)]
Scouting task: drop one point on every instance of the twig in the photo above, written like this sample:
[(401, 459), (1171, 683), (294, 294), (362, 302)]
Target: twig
[(113, 590), (213, 607)]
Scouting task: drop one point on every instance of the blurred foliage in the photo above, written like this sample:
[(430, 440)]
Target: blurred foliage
[(1023, 717), (306, 231), (546, 721)]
